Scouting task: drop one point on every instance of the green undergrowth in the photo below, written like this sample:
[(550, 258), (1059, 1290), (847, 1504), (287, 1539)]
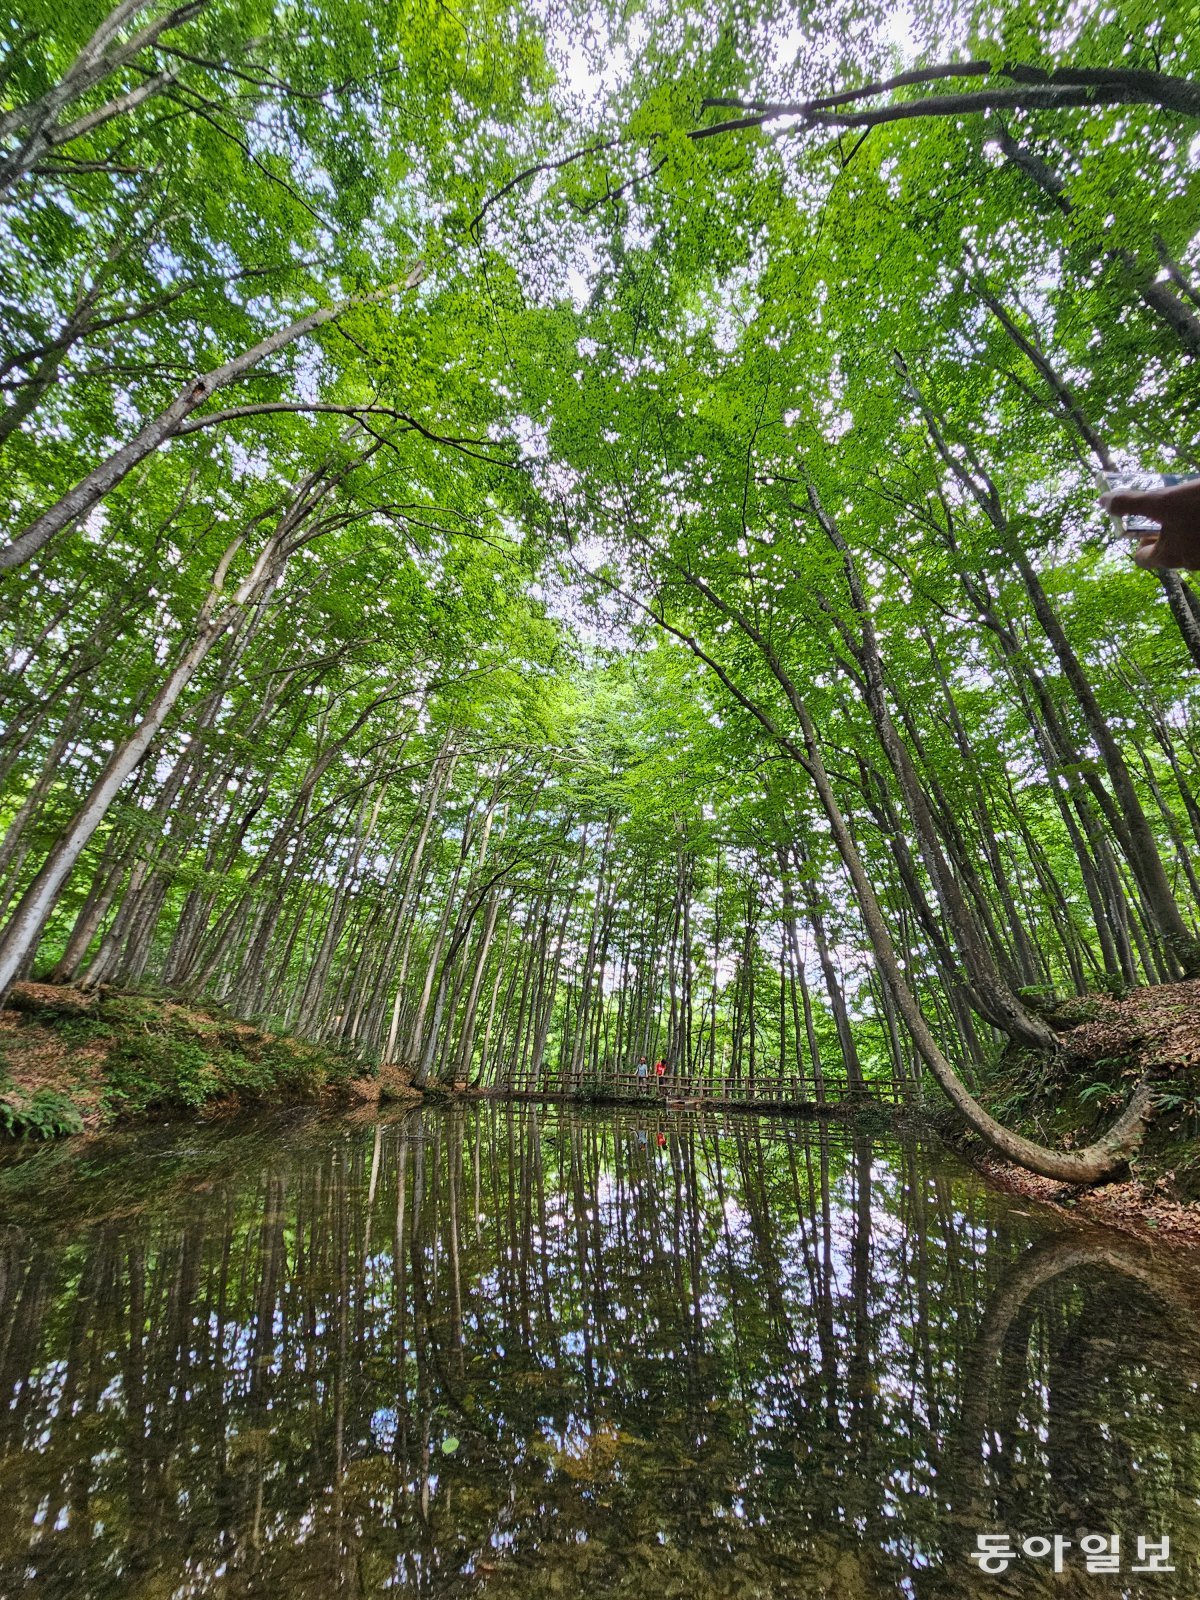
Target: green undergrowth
[(1070, 1098), (72, 1061), (44, 1114)]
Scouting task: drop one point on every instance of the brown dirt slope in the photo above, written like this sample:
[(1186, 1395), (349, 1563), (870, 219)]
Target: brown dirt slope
[(1109, 1044), (1159, 1027)]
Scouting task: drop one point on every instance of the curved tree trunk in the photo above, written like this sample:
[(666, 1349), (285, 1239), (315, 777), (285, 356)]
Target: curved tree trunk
[(1097, 1161), (996, 1000), (1102, 1159)]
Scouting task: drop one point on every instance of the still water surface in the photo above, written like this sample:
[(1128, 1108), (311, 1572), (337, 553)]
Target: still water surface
[(501, 1352)]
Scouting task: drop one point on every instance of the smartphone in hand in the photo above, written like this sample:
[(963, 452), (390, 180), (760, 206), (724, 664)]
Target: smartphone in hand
[(1131, 526), (1160, 511)]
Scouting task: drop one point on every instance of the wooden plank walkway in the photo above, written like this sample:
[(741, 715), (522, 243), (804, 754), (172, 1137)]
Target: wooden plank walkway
[(677, 1089)]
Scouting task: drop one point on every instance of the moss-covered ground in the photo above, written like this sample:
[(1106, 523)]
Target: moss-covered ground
[(77, 1061)]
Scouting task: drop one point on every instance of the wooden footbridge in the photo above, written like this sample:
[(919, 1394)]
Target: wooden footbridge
[(683, 1091)]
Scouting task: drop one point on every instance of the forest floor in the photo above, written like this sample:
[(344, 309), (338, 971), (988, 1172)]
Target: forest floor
[(1133, 1206), (1109, 1045), (78, 1061)]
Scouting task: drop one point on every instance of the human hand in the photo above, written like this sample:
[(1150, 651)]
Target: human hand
[(1176, 543)]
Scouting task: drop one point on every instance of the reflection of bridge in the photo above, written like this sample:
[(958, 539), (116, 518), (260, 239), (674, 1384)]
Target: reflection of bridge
[(686, 1090)]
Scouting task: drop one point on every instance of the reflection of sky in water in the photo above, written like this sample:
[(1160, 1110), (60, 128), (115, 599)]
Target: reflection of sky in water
[(757, 1354)]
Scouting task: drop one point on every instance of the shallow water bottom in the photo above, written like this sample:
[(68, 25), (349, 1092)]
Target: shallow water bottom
[(487, 1350)]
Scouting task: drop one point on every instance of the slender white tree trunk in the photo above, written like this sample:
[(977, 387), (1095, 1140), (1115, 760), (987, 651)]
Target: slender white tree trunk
[(441, 777), (20, 937), (19, 941)]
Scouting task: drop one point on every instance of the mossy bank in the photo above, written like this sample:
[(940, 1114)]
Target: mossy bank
[(75, 1061)]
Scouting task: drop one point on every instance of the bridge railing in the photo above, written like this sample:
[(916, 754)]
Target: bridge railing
[(727, 1089)]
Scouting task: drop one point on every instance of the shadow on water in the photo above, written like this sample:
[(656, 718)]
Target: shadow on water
[(491, 1350)]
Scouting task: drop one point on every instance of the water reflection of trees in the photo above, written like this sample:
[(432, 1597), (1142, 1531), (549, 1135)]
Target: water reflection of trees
[(736, 1361)]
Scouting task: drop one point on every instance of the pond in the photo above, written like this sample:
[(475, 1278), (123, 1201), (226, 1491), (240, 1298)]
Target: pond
[(500, 1351)]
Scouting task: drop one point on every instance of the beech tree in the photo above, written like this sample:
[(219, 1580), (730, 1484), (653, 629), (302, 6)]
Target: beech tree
[(535, 538)]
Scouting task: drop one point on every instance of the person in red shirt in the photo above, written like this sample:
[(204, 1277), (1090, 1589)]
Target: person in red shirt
[(660, 1067)]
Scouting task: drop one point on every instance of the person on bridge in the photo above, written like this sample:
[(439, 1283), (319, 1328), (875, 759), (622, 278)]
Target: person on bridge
[(643, 1073), (660, 1067)]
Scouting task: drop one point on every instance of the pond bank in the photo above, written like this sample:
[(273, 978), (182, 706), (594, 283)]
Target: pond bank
[(1109, 1044), (1134, 1207), (80, 1061)]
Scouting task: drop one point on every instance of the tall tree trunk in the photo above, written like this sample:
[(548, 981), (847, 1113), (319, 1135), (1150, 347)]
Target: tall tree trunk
[(996, 1000), (1092, 1164), (1180, 942)]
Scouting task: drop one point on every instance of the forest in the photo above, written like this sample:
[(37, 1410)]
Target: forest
[(537, 535)]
